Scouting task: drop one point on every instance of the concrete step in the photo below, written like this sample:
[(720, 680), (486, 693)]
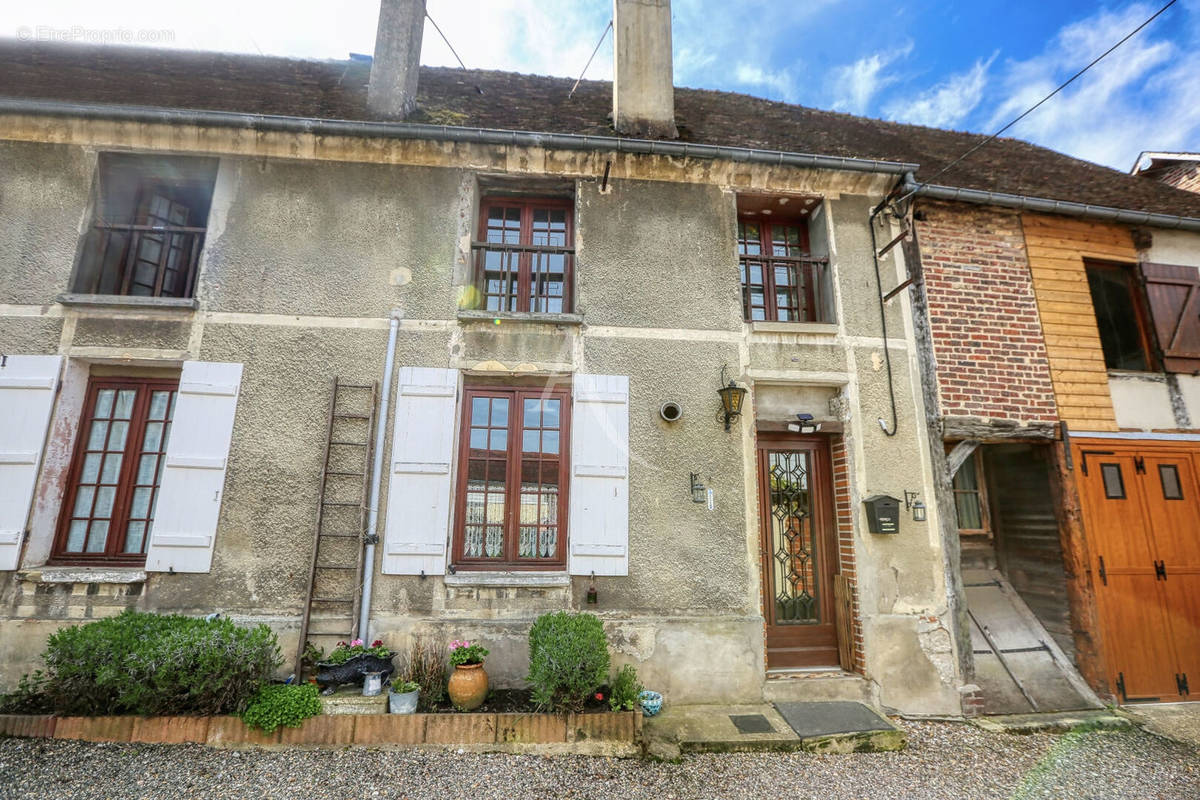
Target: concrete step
[(801, 686), (834, 727), (1057, 722)]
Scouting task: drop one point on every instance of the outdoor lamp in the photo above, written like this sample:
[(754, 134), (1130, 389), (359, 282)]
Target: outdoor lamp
[(732, 396)]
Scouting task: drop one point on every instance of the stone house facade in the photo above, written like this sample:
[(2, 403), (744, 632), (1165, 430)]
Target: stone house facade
[(314, 248), (194, 247)]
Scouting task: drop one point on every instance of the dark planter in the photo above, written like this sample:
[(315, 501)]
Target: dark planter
[(330, 676)]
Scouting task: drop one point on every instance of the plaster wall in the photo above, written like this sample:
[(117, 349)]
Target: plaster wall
[(1175, 247), (1143, 401), (305, 261)]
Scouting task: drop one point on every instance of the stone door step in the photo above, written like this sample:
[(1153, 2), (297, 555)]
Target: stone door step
[(837, 727), (1055, 722)]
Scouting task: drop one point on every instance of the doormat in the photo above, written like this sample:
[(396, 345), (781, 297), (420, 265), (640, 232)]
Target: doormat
[(822, 719), (751, 723)]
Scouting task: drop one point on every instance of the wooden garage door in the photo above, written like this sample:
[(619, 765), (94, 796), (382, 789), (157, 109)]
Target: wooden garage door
[(1143, 523)]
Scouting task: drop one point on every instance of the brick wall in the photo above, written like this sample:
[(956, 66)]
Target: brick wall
[(1184, 176), (991, 358), (843, 513)]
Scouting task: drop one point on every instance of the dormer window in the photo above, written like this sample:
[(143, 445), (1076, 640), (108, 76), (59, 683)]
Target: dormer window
[(147, 232), (782, 279)]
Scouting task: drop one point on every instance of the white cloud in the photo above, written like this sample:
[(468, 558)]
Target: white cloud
[(948, 103), (855, 85), (779, 81), (1142, 96)]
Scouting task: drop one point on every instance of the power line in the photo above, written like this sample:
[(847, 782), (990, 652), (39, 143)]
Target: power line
[(444, 39), (452, 50), (607, 28), (1035, 106)]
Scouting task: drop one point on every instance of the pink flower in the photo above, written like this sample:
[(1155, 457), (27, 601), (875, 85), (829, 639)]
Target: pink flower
[(357, 643)]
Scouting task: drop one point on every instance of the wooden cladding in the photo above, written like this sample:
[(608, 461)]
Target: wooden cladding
[(1057, 248), (1172, 292)]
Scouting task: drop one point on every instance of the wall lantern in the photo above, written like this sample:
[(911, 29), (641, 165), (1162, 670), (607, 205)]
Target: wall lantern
[(732, 396), (699, 493), (916, 506)]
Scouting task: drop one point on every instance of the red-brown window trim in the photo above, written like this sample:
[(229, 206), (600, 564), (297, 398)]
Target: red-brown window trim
[(514, 457), (809, 299), (526, 251), (126, 481)]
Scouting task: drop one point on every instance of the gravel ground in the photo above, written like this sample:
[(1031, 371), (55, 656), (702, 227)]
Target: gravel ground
[(943, 760)]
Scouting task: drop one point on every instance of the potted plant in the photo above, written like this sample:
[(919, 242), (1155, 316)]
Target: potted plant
[(468, 685), (348, 663), (402, 699)]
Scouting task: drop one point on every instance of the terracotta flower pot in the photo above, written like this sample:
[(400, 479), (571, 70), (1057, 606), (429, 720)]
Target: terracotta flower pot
[(468, 686)]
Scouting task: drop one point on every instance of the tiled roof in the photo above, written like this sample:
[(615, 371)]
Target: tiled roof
[(511, 101)]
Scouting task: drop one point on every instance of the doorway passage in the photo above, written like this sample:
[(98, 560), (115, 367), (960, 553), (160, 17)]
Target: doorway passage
[(1015, 583)]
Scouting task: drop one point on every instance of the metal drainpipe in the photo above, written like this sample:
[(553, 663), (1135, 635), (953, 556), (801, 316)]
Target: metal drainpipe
[(364, 613)]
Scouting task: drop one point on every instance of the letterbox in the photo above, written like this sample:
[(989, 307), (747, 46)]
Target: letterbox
[(883, 514)]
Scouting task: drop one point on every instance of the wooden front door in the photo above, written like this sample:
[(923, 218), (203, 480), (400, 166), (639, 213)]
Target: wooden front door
[(798, 552), (1142, 515)]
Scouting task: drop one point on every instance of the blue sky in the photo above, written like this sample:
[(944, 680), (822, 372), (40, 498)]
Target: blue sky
[(972, 67)]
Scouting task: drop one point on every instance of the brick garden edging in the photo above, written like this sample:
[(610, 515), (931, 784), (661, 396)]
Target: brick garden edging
[(616, 733)]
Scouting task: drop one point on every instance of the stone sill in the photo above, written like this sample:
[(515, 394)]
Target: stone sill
[(538, 318), (84, 575), (608, 733), (129, 302), (532, 580), (809, 328)]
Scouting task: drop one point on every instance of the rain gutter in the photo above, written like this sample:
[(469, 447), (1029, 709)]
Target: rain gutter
[(1065, 207)]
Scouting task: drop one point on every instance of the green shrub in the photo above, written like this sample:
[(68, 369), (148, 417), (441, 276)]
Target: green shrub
[(28, 698), (287, 706), (158, 664), (426, 667), (568, 659), (623, 696)]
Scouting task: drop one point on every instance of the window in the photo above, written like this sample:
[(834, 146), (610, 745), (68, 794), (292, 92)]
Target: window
[(524, 260), (970, 498), (782, 281), (1119, 316), (148, 228), (511, 508), (109, 506), (1168, 476), (1114, 484)]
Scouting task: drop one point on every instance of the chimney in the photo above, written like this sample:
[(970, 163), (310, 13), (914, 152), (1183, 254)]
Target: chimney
[(643, 82), (392, 88)]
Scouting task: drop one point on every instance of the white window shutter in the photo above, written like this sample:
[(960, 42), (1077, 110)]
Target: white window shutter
[(599, 501), (193, 478), (419, 489), (27, 385)]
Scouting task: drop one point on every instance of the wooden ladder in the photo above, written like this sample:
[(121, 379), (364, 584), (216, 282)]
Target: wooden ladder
[(336, 571)]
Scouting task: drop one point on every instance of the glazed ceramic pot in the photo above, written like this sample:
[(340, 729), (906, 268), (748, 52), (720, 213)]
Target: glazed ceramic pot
[(468, 687)]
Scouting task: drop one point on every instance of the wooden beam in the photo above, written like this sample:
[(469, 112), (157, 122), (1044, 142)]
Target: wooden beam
[(959, 455), (992, 430)]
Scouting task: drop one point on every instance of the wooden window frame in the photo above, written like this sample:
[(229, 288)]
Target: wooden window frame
[(526, 251), (1134, 281), (127, 479), (805, 266), (985, 515), (510, 562), (179, 246)]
